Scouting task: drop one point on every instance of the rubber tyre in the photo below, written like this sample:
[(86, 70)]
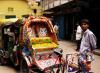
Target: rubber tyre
[(24, 67)]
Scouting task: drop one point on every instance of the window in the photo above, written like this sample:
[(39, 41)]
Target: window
[(10, 16), (25, 16), (10, 9)]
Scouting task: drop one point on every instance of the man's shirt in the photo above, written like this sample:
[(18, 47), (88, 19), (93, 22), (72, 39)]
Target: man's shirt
[(78, 33), (88, 41), (56, 28)]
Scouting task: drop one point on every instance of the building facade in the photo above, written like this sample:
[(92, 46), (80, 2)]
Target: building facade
[(18, 8), (69, 12), (64, 14)]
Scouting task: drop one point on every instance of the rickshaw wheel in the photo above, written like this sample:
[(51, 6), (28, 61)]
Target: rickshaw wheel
[(24, 67), (2, 60), (14, 59), (60, 69), (49, 71)]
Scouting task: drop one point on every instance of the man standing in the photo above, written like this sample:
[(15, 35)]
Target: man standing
[(88, 44), (78, 36), (56, 30)]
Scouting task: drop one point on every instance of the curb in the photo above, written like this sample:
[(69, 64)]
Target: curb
[(97, 52)]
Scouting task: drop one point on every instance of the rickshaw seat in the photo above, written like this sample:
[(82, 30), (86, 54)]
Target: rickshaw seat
[(43, 43)]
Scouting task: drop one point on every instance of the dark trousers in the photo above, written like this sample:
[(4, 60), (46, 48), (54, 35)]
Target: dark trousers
[(78, 44)]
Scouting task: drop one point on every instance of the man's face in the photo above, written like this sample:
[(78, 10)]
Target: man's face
[(84, 26)]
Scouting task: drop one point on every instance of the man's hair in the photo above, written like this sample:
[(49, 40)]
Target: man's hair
[(84, 21)]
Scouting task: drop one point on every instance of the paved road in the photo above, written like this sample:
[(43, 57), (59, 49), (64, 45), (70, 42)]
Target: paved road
[(68, 47), (7, 69)]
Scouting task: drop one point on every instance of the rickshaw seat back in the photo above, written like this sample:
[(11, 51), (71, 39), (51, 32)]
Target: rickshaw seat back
[(43, 44), (40, 40)]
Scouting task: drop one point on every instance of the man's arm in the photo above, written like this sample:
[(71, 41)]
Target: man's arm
[(93, 41)]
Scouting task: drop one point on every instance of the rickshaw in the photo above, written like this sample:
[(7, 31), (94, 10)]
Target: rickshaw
[(40, 52), (33, 47), (9, 34)]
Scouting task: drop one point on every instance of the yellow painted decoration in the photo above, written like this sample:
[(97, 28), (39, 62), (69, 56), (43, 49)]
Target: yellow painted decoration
[(44, 46), (40, 40), (42, 43)]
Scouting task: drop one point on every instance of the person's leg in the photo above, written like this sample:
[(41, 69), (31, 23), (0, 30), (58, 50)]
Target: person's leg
[(82, 63), (83, 67), (78, 45)]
